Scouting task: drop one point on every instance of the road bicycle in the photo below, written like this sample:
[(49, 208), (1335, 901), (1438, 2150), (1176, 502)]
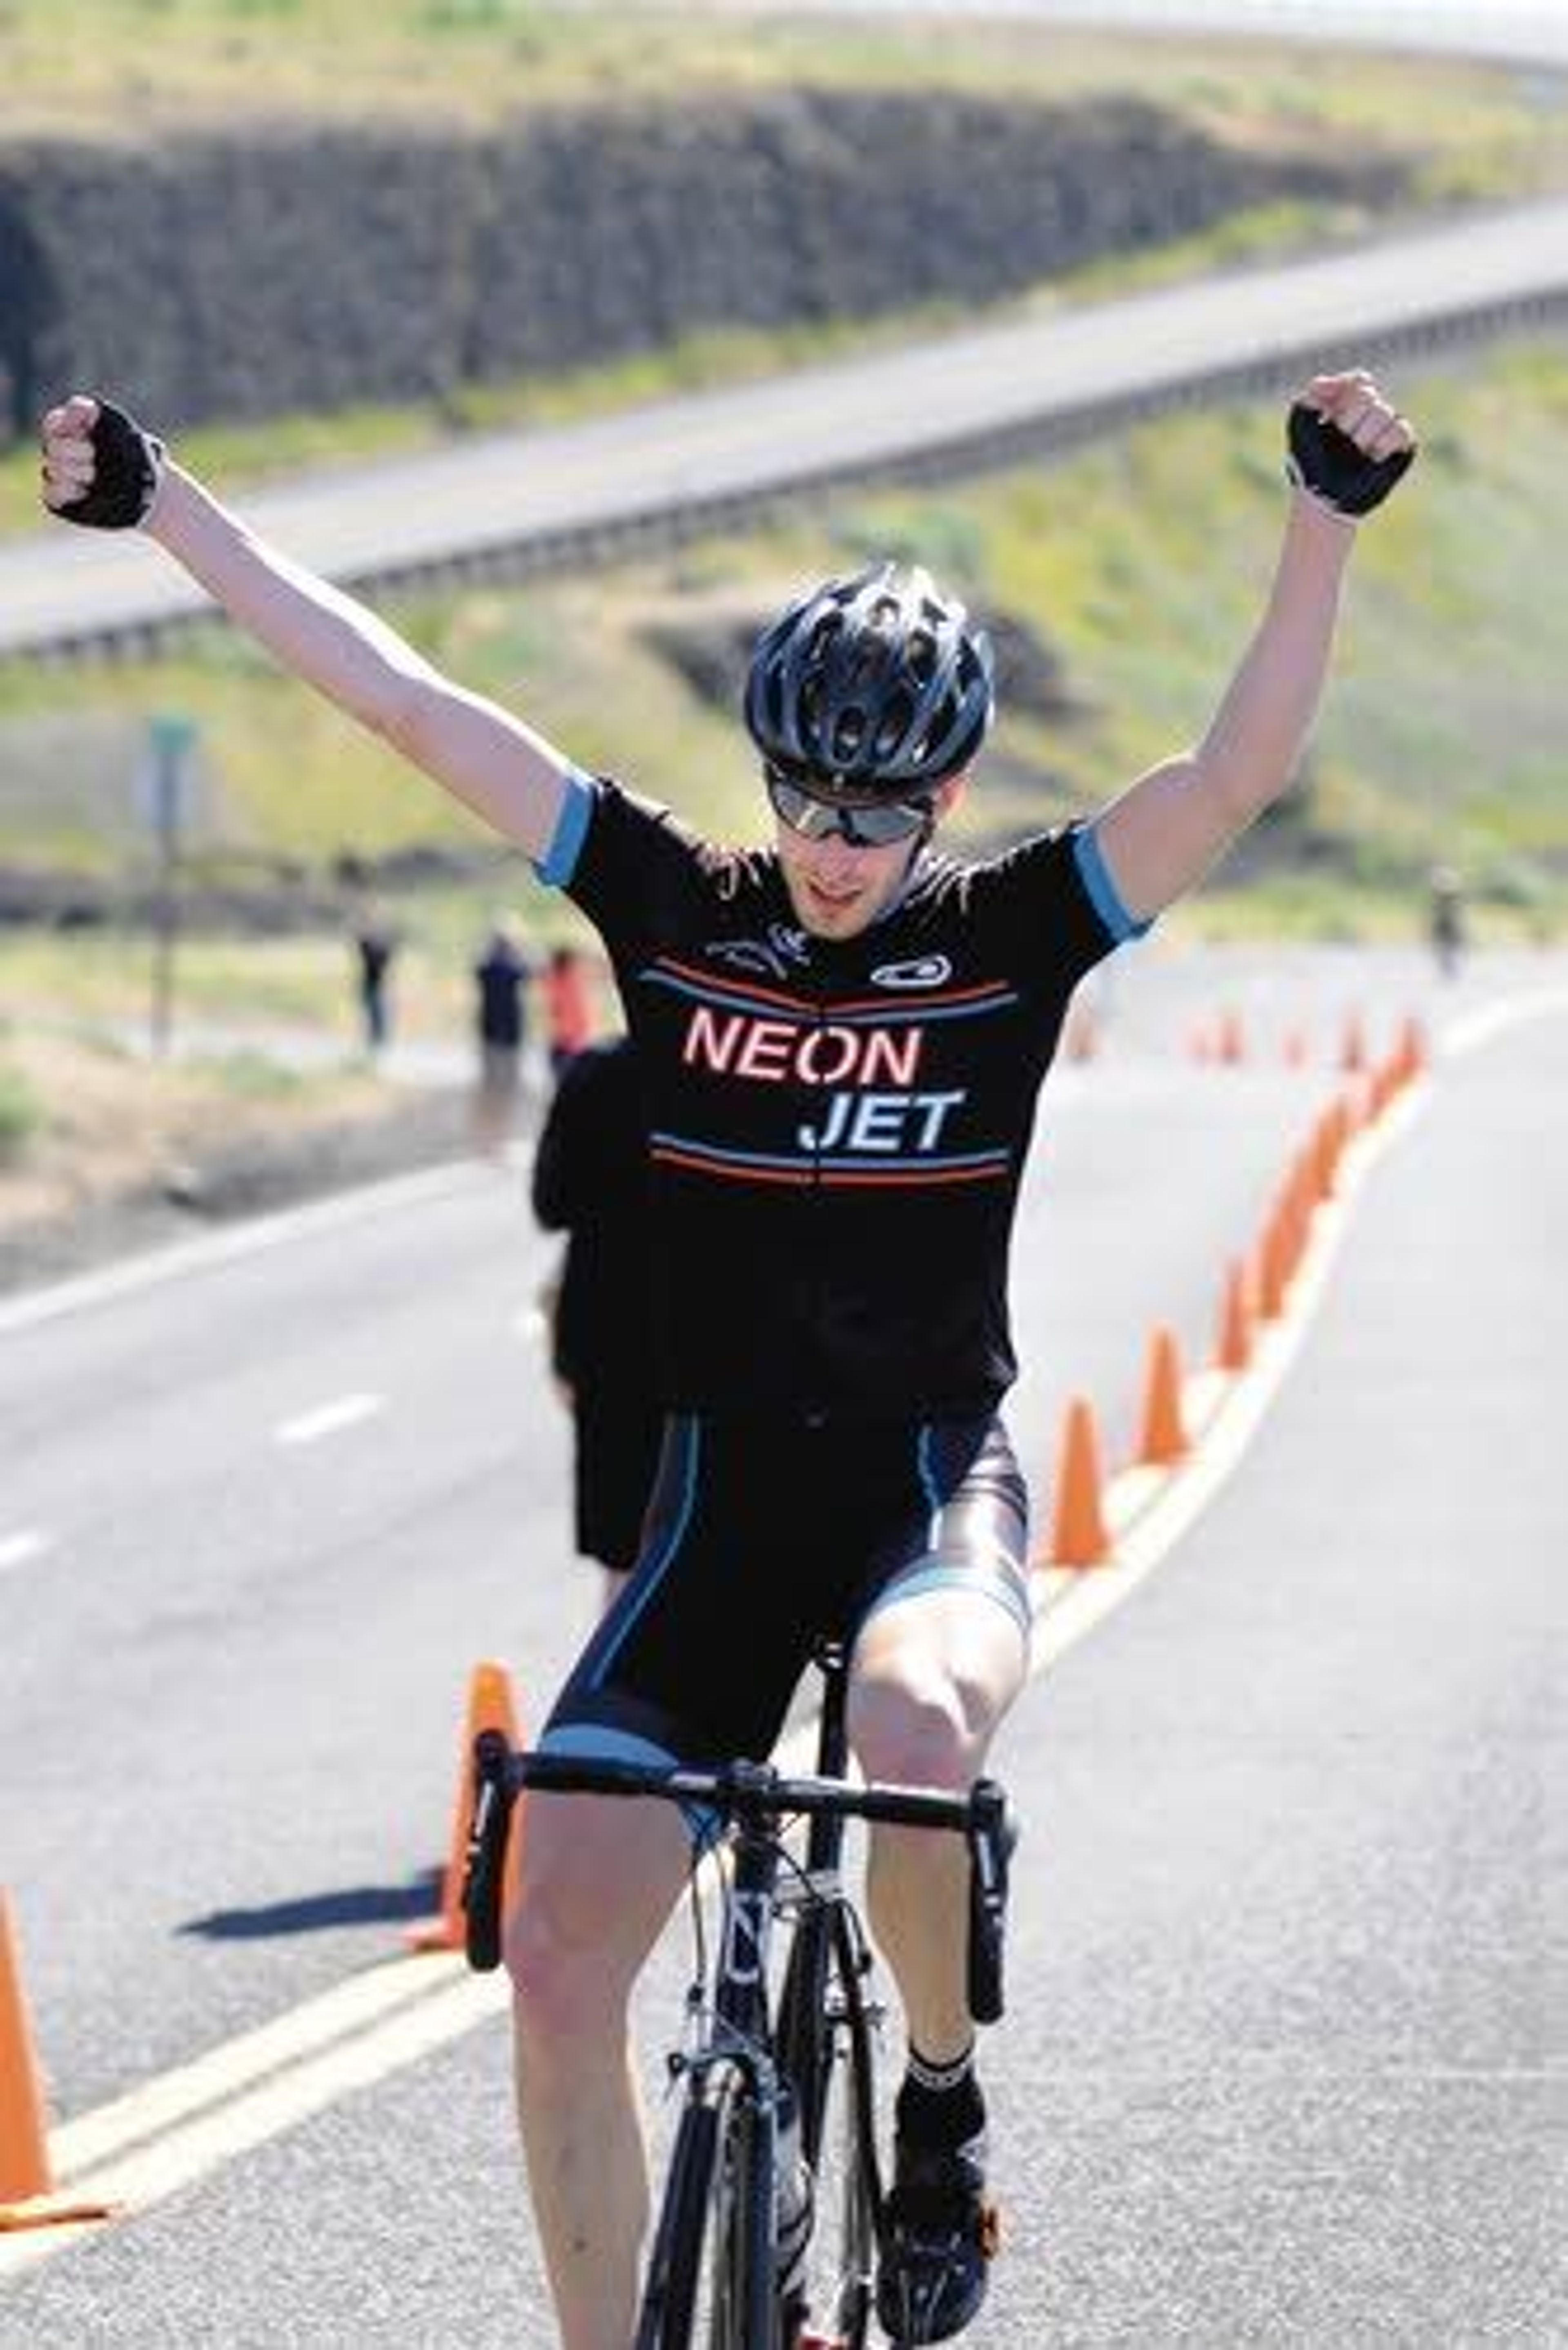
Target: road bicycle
[(768, 2228)]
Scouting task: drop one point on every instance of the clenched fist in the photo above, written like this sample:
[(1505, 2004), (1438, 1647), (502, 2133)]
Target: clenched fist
[(100, 467), (1348, 445)]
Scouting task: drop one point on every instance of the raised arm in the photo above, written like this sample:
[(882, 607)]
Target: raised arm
[(1161, 835), (100, 468)]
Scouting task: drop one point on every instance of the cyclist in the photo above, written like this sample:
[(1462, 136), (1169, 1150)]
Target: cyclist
[(842, 1037)]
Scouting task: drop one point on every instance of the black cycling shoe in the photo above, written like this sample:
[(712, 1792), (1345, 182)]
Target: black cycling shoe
[(939, 2235)]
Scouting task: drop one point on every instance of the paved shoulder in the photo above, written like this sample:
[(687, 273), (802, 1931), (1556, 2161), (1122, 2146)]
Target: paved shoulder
[(1289, 2069)]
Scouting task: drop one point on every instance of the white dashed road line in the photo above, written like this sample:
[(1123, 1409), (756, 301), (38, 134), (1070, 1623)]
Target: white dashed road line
[(238, 1242), (329, 1419), (26, 1543)]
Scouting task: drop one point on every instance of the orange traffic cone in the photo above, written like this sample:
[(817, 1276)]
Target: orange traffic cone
[(1412, 1049), (1317, 1168), (1165, 1439), (27, 2197), (1078, 1535), (1382, 1086), (1332, 1134), (1295, 1049), (1352, 1055), (1234, 1350), (1273, 1265), (1233, 1040), (490, 1707), (1300, 1201)]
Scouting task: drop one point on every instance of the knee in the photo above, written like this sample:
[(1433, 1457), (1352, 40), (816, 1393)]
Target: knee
[(569, 1977), (930, 1736)]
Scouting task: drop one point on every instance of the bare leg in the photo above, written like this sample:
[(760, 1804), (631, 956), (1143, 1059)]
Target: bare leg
[(933, 1677), (613, 1581), (599, 1877)]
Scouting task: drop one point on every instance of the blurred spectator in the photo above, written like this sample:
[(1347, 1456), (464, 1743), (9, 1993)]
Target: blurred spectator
[(590, 1181), (569, 1006), (375, 947), (501, 979), (1446, 920)]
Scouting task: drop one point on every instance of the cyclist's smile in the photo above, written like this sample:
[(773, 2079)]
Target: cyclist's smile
[(837, 891), (839, 887)]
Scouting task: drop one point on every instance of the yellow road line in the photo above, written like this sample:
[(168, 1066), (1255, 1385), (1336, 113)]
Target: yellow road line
[(168, 2132)]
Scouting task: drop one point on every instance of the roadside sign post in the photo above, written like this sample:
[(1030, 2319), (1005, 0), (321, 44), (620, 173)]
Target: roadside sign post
[(170, 742)]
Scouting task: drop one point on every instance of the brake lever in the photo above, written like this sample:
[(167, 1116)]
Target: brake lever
[(990, 1837)]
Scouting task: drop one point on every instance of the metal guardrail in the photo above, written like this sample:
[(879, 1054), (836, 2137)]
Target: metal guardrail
[(520, 506), (976, 450)]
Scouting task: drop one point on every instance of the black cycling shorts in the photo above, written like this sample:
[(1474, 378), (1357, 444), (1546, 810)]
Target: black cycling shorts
[(618, 1440), (763, 1540)]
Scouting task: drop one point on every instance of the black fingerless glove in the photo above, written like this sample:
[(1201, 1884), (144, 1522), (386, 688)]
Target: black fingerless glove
[(1327, 462), (129, 467)]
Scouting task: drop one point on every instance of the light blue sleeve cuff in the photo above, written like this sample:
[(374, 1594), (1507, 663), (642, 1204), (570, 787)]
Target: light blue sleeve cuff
[(1104, 895), (559, 862)]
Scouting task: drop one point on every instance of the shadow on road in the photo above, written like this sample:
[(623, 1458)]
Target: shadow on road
[(357, 1905)]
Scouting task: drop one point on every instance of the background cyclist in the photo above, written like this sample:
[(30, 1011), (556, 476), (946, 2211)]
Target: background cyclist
[(842, 1036)]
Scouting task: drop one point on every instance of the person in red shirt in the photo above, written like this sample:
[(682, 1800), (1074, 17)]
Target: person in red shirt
[(569, 1006)]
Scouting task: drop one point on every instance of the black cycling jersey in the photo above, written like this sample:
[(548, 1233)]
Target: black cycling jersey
[(837, 1128)]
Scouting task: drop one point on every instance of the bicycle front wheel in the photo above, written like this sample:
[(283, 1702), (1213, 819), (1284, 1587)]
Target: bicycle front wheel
[(831, 2029), (710, 2284)]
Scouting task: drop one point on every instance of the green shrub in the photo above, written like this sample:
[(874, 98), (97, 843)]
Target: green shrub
[(21, 1115)]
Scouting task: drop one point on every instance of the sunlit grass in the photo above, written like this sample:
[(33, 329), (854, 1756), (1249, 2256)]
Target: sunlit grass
[(133, 65), (21, 1112), (102, 982)]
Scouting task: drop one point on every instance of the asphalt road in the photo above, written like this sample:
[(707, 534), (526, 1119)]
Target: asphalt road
[(1278, 2068)]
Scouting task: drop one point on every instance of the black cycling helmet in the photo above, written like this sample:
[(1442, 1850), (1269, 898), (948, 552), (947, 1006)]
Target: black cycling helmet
[(870, 688)]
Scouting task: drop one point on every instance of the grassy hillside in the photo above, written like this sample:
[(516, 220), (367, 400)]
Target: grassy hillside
[(123, 66)]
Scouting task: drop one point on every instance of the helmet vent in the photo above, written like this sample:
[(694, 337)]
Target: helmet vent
[(871, 685)]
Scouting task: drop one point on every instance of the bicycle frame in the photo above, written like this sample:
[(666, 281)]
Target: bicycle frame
[(746, 2062), (801, 2001), (739, 2039), (824, 2019)]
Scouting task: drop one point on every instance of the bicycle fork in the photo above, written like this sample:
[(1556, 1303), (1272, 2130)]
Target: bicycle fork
[(742, 2014)]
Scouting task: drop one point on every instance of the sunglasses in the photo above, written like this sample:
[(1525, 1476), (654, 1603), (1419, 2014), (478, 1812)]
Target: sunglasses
[(877, 825)]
